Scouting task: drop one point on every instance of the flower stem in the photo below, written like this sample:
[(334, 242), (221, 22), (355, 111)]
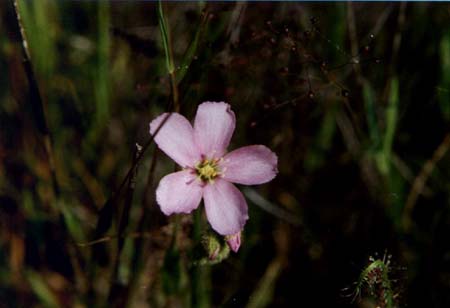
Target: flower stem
[(199, 274), (165, 36)]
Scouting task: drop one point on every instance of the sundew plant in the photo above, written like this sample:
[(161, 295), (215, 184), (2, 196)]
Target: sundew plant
[(224, 154)]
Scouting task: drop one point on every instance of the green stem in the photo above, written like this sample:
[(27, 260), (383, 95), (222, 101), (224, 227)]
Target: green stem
[(165, 36), (199, 274), (102, 83), (391, 123)]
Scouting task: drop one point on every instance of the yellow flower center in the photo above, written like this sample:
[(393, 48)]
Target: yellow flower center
[(207, 170)]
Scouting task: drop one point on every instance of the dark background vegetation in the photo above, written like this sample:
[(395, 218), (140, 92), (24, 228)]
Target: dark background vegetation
[(353, 98)]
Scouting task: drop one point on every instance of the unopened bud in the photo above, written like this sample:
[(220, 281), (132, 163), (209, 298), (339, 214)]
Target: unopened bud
[(234, 241)]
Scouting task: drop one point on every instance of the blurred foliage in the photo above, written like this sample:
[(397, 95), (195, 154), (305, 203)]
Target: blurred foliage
[(353, 97)]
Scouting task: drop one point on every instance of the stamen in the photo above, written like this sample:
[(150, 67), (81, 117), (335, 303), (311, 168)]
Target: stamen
[(208, 169)]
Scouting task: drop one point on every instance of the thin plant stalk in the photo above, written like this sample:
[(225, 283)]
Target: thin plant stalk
[(168, 52)]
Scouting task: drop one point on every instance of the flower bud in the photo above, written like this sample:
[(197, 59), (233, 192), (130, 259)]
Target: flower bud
[(234, 241)]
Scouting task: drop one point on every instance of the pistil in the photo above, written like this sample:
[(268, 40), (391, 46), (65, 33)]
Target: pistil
[(208, 169)]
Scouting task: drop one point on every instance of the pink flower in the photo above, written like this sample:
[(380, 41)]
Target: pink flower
[(234, 241), (208, 170)]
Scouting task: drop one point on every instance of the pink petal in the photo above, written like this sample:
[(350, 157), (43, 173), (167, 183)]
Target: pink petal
[(213, 127), (176, 139), (234, 241), (225, 206), (250, 165), (179, 192)]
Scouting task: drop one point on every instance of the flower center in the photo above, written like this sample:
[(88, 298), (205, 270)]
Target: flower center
[(208, 169)]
